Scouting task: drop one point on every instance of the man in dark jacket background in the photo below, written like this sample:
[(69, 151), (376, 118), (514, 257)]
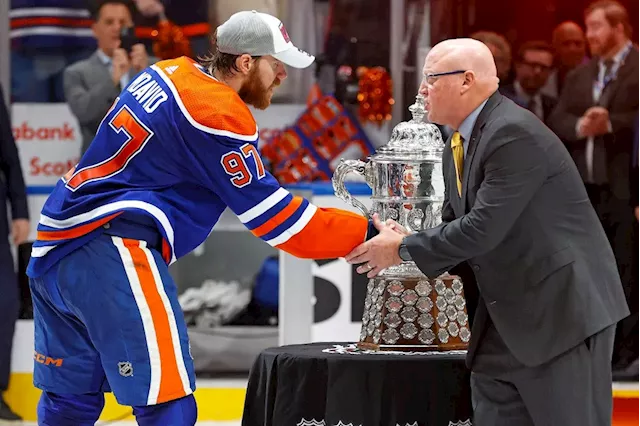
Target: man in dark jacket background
[(12, 190)]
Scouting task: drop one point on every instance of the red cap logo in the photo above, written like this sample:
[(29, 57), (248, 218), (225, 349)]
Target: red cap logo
[(283, 30)]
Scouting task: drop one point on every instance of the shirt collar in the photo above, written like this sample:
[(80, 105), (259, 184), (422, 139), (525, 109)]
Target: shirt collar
[(103, 57), (467, 125), (618, 56)]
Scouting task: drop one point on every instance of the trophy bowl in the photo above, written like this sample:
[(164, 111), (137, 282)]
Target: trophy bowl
[(404, 310)]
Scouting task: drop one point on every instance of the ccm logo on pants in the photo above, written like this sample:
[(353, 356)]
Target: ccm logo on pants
[(43, 359)]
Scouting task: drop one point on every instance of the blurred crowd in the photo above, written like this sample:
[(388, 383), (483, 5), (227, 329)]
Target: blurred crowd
[(47, 36), (584, 85)]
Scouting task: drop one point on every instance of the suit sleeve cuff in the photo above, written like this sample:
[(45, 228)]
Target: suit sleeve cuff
[(19, 209), (414, 244)]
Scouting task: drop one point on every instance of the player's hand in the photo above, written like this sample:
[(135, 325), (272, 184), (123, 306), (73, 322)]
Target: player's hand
[(121, 65), (19, 231), (378, 253), (139, 57)]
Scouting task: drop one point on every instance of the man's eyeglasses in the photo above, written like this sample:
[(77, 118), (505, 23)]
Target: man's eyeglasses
[(432, 77), (536, 66)]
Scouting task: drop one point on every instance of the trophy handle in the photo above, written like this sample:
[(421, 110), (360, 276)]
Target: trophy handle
[(345, 167)]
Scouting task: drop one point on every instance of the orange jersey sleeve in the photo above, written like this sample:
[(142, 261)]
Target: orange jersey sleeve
[(330, 233), (295, 225)]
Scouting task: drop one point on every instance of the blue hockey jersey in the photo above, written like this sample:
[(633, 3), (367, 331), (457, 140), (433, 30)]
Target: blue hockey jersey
[(175, 149)]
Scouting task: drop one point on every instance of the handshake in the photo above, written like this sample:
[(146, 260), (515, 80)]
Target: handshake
[(381, 251)]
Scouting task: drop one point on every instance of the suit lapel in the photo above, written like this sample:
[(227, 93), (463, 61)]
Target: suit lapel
[(100, 67), (493, 101)]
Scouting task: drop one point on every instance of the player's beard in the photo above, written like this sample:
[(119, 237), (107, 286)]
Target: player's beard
[(254, 92)]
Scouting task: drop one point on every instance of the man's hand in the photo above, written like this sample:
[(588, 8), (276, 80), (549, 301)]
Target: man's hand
[(19, 231), (595, 122), (139, 57), (121, 65), (396, 226), (381, 251), (150, 8)]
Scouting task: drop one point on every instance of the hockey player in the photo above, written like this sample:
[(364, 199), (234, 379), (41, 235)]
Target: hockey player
[(177, 147)]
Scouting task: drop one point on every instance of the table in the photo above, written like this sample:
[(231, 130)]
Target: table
[(336, 384)]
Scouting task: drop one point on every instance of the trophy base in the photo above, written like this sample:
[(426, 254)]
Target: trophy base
[(411, 348), (404, 311)]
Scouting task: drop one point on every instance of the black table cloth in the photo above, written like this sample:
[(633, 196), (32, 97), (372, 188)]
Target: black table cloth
[(329, 384)]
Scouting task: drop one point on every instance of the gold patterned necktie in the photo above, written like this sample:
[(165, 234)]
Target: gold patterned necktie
[(458, 158)]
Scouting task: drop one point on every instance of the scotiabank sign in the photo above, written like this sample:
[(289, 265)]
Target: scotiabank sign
[(49, 140), (24, 132)]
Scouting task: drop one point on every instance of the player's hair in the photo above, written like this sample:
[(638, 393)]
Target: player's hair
[(222, 62), (96, 6), (614, 12)]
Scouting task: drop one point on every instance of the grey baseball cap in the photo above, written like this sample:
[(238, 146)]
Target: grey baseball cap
[(260, 34)]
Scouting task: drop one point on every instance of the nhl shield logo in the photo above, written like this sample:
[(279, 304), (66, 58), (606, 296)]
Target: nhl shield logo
[(125, 369), (461, 423)]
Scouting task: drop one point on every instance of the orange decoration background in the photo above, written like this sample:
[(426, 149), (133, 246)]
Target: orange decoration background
[(375, 95), (170, 42)]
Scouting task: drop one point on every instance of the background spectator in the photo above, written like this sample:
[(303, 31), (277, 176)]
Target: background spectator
[(533, 66), (12, 191), (596, 118), (46, 36), (570, 50), (93, 84)]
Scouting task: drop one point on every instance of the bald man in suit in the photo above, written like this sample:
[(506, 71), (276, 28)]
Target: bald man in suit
[(516, 211)]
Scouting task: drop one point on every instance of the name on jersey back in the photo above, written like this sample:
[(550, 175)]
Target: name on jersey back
[(147, 92)]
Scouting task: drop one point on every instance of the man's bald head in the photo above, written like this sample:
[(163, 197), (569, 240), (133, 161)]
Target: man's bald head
[(567, 28), (472, 78), (569, 44), (466, 54), (500, 49)]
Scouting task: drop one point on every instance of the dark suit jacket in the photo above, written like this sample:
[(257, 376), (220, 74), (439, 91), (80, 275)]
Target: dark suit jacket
[(634, 165), (543, 265), (548, 103), (620, 97), (12, 187)]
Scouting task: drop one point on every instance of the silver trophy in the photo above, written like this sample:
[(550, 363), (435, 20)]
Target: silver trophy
[(403, 309)]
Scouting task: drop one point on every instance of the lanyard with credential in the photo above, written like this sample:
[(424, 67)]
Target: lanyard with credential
[(600, 85)]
